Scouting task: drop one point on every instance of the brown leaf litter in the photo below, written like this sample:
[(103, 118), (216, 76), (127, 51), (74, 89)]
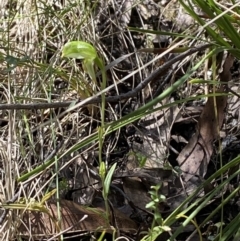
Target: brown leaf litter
[(194, 158), (75, 218)]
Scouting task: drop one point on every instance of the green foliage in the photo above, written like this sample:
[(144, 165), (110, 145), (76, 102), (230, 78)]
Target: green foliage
[(79, 50), (85, 51), (158, 226), (224, 27), (221, 29), (107, 181)]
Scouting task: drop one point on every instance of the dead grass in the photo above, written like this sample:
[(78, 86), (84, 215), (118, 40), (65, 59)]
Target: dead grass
[(32, 35)]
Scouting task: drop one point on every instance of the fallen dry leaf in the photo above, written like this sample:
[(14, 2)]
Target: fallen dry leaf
[(136, 192), (75, 217), (194, 158)]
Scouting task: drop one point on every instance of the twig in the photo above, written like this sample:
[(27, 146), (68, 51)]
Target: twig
[(95, 99), (233, 92)]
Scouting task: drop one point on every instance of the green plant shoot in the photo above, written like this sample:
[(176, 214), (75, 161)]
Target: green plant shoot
[(86, 52)]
